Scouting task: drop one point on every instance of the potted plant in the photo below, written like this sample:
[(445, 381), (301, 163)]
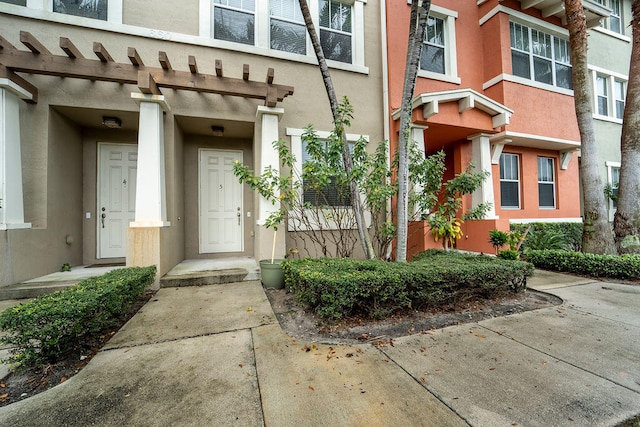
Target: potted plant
[(276, 189)]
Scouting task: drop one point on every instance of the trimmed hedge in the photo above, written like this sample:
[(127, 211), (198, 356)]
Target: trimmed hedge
[(337, 288), (572, 231), (613, 266), (45, 329)]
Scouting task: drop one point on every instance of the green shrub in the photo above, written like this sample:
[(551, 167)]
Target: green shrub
[(613, 266), (45, 329), (571, 233), (509, 255), (336, 288)]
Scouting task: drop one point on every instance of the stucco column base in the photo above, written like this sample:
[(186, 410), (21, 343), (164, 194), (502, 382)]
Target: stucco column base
[(264, 242), (144, 248)]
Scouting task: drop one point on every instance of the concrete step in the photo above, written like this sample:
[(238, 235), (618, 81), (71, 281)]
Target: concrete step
[(198, 278), (33, 289)]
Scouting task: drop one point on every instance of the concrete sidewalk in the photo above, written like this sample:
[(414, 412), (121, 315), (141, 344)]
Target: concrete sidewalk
[(216, 356)]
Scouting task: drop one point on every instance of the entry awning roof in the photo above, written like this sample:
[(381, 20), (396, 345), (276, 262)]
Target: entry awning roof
[(592, 8), (466, 99)]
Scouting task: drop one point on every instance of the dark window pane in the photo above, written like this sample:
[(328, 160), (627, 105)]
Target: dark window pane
[(509, 194), (603, 109), (432, 59), (96, 9), (233, 26), (542, 70), (288, 37), (614, 24), (619, 109), (563, 76), (520, 64), (330, 195), (546, 197), (18, 2), (336, 46)]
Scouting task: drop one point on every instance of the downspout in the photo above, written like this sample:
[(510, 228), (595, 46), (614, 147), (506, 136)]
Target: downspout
[(385, 98)]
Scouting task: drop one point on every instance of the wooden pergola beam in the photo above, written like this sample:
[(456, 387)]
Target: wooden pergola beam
[(8, 74), (69, 48), (152, 79), (147, 84), (164, 61), (193, 66), (245, 72), (27, 39), (270, 74), (132, 53), (101, 52)]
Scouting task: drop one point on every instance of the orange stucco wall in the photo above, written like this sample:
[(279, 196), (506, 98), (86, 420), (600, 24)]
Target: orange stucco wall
[(483, 54)]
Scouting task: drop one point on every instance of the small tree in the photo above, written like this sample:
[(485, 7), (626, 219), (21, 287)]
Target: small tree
[(443, 200)]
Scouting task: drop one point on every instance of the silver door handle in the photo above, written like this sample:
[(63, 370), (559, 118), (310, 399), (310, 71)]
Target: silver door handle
[(104, 215)]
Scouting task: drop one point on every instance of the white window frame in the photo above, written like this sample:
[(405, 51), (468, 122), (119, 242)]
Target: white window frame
[(610, 167), (450, 51), (262, 44), (512, 180), (531, 55), (114, 10), (295, 136), (611, 78), (552, 182)]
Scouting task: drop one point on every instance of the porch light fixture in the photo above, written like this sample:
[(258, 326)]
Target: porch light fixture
[(217, 130), (112, 122)]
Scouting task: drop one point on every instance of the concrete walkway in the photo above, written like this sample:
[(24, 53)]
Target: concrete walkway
[(216, 356)]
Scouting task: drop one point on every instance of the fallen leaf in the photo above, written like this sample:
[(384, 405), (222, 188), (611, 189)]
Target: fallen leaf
[(240, 365), (544, 362), (311, 388), (249, 308), (492, 369), (4, 396), (127, 350), (63, 379), (480, 336), (423, 379)]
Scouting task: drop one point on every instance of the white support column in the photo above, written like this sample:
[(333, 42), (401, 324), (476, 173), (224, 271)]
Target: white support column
[(151, 193), (417, 135), (481, 154), (11, 196), (268, 119)]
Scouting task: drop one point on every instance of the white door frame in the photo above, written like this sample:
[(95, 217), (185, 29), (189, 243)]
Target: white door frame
[(99, 190), (240, 154)]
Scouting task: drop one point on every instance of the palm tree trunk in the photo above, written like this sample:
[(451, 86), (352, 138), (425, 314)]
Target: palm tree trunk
[(597, 236), (626, 221), (356, 202), (419, 14)]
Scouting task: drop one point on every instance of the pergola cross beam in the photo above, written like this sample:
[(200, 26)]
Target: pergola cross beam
[(149, 79)]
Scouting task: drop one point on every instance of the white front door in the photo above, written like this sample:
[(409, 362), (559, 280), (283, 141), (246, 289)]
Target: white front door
[(221, 212), (117, 164)]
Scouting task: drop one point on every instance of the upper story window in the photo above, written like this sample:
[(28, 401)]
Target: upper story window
[(614, 21), (539, 56), (438, 60), (96, 9), (276, 28), (335, 30), (610, 94), (234, 20), (509, 181), (546, 183), (102, 10), (287, 30), (432, 58)]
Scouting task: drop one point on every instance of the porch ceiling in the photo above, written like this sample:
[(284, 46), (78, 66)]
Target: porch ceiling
[(92, 118), (593, 10), (202, 126)]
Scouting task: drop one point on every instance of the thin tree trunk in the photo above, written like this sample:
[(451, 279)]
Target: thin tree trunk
[(626, 221), (597, 236), (417, 25), (356, 203)]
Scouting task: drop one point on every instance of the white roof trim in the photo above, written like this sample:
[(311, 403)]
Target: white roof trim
[(466, 99)]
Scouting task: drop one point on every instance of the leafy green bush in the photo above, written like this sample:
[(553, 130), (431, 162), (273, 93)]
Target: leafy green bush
[(45, 329), (571, 233), (509, 254), (336, 288), (613, 266)]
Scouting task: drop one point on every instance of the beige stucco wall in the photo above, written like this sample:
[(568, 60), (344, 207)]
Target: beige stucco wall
[(60, 133)]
